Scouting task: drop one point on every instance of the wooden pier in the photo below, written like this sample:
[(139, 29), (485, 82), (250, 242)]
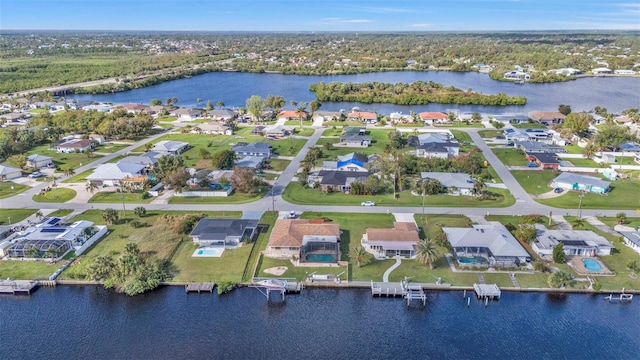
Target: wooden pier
[(403, 289), (280, 286), (487, 291), (17, 287), (199, 287)]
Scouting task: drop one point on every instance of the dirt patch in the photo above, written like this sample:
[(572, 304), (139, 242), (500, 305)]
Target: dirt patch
[(278, 270)]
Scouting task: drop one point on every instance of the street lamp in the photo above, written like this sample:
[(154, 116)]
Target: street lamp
[(423, 205)]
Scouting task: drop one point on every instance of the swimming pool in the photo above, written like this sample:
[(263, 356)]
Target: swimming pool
[(471, 259), (320, 258), (208, 252), (591, 265)]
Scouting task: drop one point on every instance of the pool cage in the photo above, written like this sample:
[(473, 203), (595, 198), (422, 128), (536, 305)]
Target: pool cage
[(319, 245), (39, 248)]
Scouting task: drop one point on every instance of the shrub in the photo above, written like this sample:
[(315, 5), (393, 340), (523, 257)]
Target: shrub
[(225, 287)]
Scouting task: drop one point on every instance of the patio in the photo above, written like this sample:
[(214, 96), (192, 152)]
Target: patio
[(580, 265)]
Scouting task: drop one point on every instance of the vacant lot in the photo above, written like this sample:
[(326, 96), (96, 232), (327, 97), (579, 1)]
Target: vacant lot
[(535, 182), (62, 160), (510, 157), (56, 195), (12, 216), (9, 188)]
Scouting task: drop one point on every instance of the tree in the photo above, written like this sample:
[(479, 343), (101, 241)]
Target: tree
[(110, 216), (578, 123), (558, 279), (39, 215), (101, 267), (301, 112), (476, 117), (429, 186), (622, 218), (426, 252), (223, 160), (91, 186), (140, 211), (167, 164), (610, 137), (564, 109), (177, 179), (589, 151), (68, 172), (255, 105), (155, 102), (578, 223), (244, 180), (478, 185), (525, 233), (359, 255), (18, 160), (558, 253), (314, 106), (220, 104)]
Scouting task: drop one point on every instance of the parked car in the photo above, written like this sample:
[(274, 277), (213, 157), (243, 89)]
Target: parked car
[(368, 203), (500, 137), (557, 190), (532, 165), (36, 175)]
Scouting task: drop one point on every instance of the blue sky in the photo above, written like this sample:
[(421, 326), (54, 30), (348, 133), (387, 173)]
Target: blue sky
[(320, 15)]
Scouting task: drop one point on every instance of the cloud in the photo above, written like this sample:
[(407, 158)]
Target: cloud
[(345, 21), (630, 8), (421, 25)]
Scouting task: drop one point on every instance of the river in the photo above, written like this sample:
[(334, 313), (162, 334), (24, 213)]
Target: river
[(90, 322), (233, 89)]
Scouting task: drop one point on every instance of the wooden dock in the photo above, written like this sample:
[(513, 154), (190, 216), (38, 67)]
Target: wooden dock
[(199, 287), (487, 291), (280, 286), (403, 289), (17, 287)]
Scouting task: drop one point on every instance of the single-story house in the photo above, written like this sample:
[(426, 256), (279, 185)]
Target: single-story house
[(623, 119), (442, 150), (184, 114), (630, 146), (396, 117), (398, 241), (303, 238), (340, 181), (98, 107), (258, 130), (516, 75), (114, 174), (517, 135), (601, 71), (454, 183), (327, 115), (75, 145), (277, 131), (631, 239), (364, 116), (253, 162), (354, 130), (222, 114), (575, 242), (38, 161), (148, 159), (214, 128), (100, 139), (168, 147), (355, 140), (544, 160), (287, 115), (350, 162), (11, 118), (434, 117), (135, 108), (261, 149), (552, 117), (227, 233), (9, 172), (486, 245), (531, 147), (571, 181)]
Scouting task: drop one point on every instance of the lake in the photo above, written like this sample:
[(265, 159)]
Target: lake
[(233, 89), (90, 322)]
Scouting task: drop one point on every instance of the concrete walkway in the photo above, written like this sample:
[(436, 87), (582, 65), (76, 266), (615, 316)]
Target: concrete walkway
[(600, 225), (561, 223), (385, 277), (404, 217), (478, 219), (163, 198)]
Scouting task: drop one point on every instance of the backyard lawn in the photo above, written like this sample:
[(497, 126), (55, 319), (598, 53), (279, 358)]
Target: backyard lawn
[(488, 134), (62, 160), (116, 197), (510, 157), (55, 195), (78, 177), (379, 138), (623, 195), (12, 216), (9, 188), (535, 182), (27, 270), (234, 198)]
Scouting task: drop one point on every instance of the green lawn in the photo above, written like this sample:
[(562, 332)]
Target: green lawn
[(461, 136), (277, 164), (379, 138), (61, 212), (27, 270), (110, 148), (612, 221), (488, 134), (535, 182), (115, 159), (78, 177), (116, 197), (462, 124), (623, 195), (333, 132), (62, 160), (228, 267), (515, 220), (294, 193), (299, 273), (584, 163), (529, 126), (510, 157), (9, 188), (573, 149), (305, 132), (235, 198), (16, 215), (56, 195), (297, 123), (167, 118)]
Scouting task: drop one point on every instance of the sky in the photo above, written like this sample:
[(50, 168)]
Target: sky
[(320, 15)]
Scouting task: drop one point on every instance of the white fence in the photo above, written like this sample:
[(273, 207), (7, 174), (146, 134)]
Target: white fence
[(101, 232), (222, 193)]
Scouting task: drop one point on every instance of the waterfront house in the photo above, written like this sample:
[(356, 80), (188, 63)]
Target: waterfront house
[(117, 174), (288, 115), (550, 117), (571, 181), (37, 161), (327, 116), (9, 172), (516, 75), (631, 239), (260, 149), (304, 239), (454, 183), (575, 242), (350, 162), (340, 181), (75, 146), (363, 116), (486, 245), (168, 147), (135, 108), (227, 233), (214, 128), (361, 141), (397, 241), (12, 118), (184, 114), (601, 71), (433, 118), (224, 115)]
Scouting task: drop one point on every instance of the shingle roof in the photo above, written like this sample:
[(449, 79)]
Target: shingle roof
[(459, 180), (333, 177), (571, 178), (6, 169), (289, 232), (219, 229), (38, 157), (493, 236)]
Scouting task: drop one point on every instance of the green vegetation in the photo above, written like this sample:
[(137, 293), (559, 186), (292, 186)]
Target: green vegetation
[(633, 222), (620, 197), (462, 136), (9, 188), (27, 270), (61, 212), (488, 134), (116, 197), (511, 157), (234, 198), (277, 164), (12, 216), (416, 93), (78, 177), (535, 182), (529, 126), (55, 195), (110, 148), (584, 163)]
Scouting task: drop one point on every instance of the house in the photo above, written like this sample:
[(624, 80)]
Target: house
[(575, 242), (114, 174), (253, 162), (486, 245), (227, 233), (630, 146), (350, 162), (571, 181), (443, 150), (184, 114), (631, 239), (98, 107), (100, 139), (214, 128), (624, 72), (601, 71), (254, 149), (75, 146), (223, 115), (516, 75), (277, 132), (327, 116), (606, 159), (12, 118), (135, 108), (396, 117), (304, 239), (148, 159), (551, 117), (354, 130), (37, 161), (363, 116), (544, 160), (287, 115), (623, 119), (9, 172), (431, 118), (156, 110), (168, 147), (397, 241), (355, 141), (454, 183), (340, 181)]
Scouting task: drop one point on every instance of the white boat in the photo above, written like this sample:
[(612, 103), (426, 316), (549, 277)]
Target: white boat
[(272, 283)]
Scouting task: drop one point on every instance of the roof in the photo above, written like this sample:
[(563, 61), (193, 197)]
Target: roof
[(433, 115), (546, 158), (433, 138), (352, 130), (547, 239), (363, 115), (185, 111), (289, 232), (213, 126), (6, 169), (334, 177), (493, 236), (76, 144), (633, 236), (249, 161), (531, 146), (222, 113), (459, 180), (253, 147), (571, 178), (401, 232), (117, 171), (354, 138), (291, 114), (148, 158), (353, 158), (546, 115), (437, 147), (169, 146), (630, 146), (38, 158), (220, 229)]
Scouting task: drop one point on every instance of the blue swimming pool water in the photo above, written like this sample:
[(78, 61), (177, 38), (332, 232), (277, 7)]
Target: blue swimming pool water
[(591, 265), (471, 259), (208, 252), (321, 258)]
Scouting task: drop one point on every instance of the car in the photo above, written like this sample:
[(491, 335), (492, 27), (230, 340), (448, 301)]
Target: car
[(500, 137), (368, 203), (532, 165), (557, 190), (51, 165), (292, 214), (36, 175)]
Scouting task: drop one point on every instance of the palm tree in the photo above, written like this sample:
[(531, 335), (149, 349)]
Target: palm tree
[(578, 223), (622, 218), (427, 253), (478, 185), (110, 216), (91, 187), (68, 172), (39, 215), (590, 150), (359, 255), (220, 104), (101, 267)]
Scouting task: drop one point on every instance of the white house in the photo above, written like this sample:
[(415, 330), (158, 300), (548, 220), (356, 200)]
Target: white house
[(631, 239), (398, 241), (214, 128), (184, 114), (170, 147), (9, 172), (114, 174), (575, 242), (37, 161), (75, 146), (455, 183)]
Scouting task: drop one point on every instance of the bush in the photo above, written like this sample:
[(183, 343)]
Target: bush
[(540, 266), (558, 279), (225, 287), (137, 224)]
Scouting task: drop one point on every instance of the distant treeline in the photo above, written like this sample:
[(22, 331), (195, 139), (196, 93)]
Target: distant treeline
[(416, 93)]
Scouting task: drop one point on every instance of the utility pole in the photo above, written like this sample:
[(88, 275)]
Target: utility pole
[(423, 206), (124, 210), (580, 205)]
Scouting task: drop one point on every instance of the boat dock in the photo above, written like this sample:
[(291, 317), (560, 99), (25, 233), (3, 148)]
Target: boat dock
[(281, 286), (620, 297), (199, 287), (403, 289), (487, 291), (17, 287)]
